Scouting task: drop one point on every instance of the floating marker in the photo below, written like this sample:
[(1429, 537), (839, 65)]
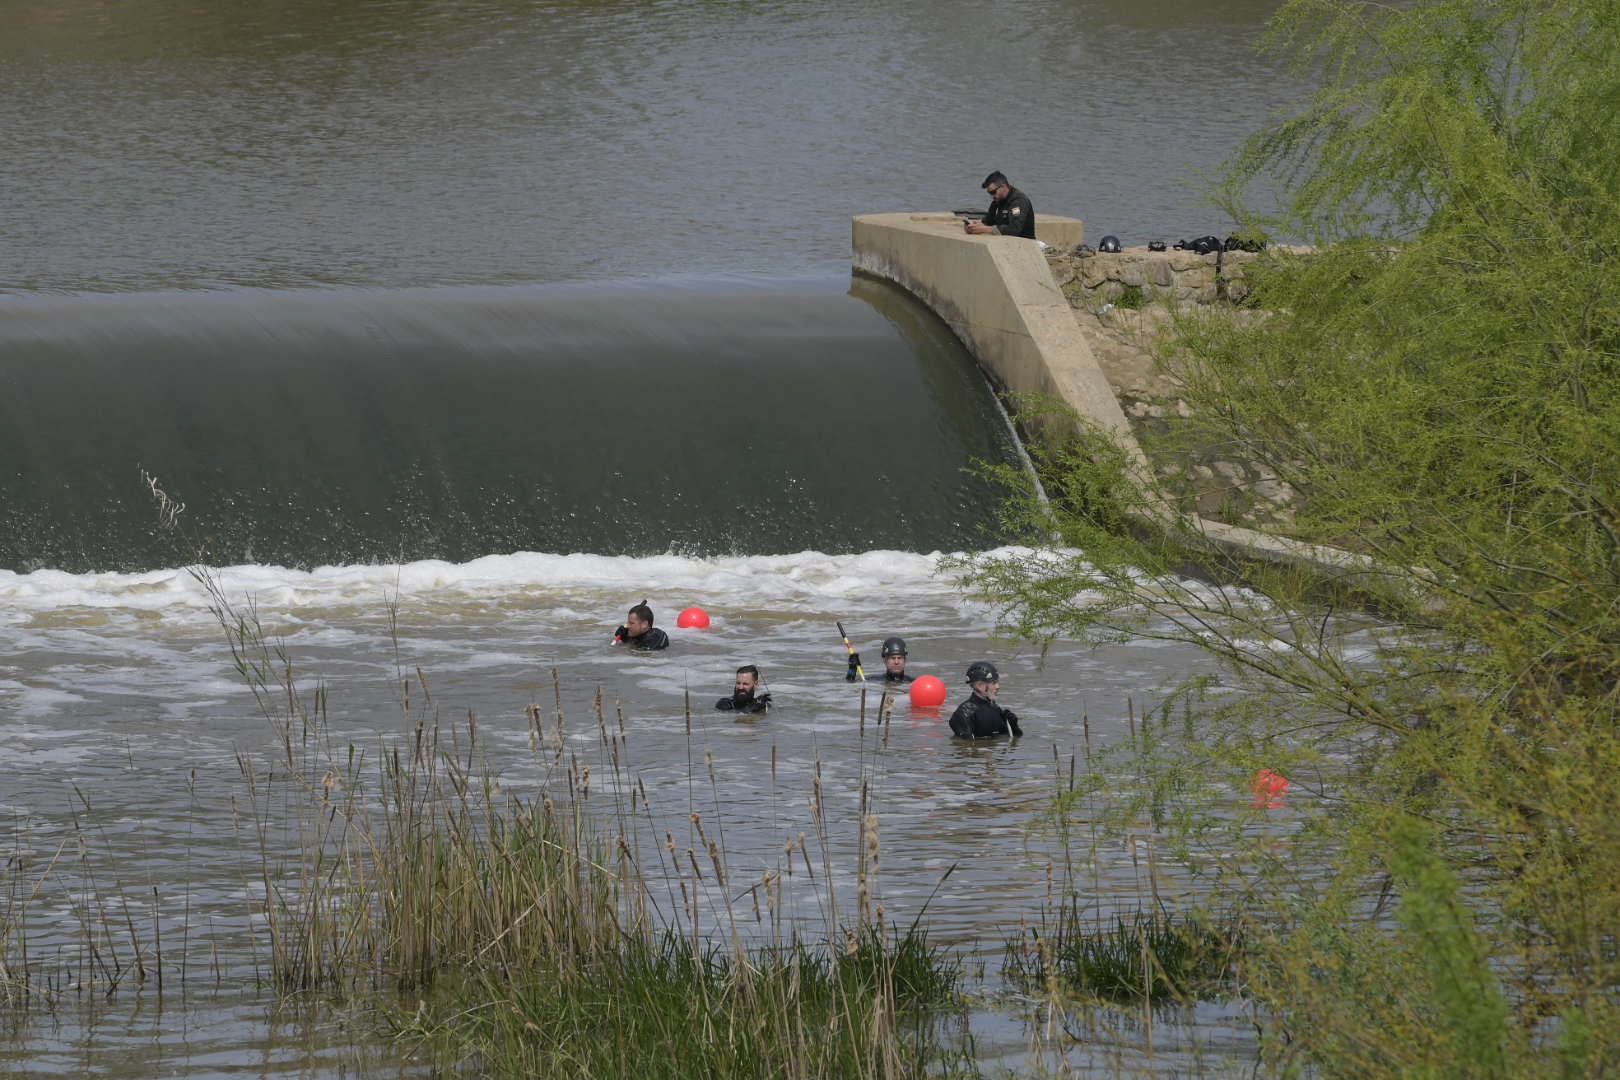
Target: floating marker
[(927, 691), (694, 618), (1268, 786)]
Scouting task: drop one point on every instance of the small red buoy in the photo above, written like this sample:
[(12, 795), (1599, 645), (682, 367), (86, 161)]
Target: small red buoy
[(927, 691), (1268, 786), (694, 618)]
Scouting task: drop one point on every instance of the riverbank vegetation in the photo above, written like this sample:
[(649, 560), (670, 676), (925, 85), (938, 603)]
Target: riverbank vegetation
[(1439, 387), (1152, 955)]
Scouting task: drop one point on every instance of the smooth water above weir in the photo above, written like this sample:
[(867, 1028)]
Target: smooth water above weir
[(392, 143), (333, 427)]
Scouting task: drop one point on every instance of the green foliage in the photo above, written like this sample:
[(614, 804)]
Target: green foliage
[(1463, 990), (1150, 955), (1440, 384), (669, 1008), (1130, 297)]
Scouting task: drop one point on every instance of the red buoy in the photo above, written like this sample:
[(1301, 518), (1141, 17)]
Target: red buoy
[(927, 691), (1269, 787), (694, 618)]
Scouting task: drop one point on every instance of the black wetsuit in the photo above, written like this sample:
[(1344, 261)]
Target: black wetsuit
[(1012, 216), (980, 718), (744, 703), (653, 639)]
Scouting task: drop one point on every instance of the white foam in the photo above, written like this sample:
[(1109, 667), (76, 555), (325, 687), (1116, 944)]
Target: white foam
[(23, 700), (676, 579)]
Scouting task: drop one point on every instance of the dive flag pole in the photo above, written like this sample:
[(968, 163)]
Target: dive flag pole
[(851, 649)]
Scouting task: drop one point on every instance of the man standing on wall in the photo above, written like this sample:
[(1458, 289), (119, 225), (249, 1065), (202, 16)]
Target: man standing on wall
[(1010, 212)]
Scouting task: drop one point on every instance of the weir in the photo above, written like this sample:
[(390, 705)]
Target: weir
[(998, 295), (333, 427)]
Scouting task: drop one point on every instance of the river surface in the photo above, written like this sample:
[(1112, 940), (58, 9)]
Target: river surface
[(457, 327)]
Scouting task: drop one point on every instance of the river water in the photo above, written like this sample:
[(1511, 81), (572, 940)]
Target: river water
[(458, 326)]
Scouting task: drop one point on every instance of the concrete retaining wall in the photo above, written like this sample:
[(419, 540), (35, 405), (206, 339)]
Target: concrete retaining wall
[(1001, 300), (999, 296)]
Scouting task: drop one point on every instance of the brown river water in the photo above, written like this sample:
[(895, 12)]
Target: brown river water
[(460, 326)]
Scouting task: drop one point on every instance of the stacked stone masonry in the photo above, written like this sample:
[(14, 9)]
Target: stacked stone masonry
[(1148, 276), (1123, 303)]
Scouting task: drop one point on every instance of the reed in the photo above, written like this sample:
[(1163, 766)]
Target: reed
[(70, 926), (1149, 955), (662, 1008), (1145, 955)]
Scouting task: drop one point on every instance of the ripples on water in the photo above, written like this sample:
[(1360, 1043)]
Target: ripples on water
[(187, 144), (229, 144)]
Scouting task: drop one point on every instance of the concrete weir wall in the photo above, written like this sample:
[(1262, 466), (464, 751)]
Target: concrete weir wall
[(1001, 300), (999, 296)]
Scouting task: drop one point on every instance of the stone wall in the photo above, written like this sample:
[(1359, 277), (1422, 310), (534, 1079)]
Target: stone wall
[(1124, 304), (1143, 276)]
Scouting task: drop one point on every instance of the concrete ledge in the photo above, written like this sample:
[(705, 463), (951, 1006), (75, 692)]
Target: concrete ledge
[(1063, 233), (999, 297)]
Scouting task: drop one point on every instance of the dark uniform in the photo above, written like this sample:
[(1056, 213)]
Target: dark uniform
[(653, 639), (744, 703), (980, 718), (889, 678), (1012, 216)]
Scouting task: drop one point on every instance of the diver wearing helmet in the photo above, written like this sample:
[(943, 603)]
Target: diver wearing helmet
[(979, 717), (1010, 212), (894, 664)]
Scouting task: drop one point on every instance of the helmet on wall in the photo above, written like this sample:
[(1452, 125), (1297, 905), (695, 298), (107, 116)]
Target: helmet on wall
[(894, 646), (982, 671), (1109, 243)]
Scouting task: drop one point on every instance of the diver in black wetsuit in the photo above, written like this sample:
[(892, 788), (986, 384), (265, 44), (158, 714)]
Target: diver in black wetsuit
[(744, 693), (1010, 213), (638, 631), (979, 717), (894, 664)]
